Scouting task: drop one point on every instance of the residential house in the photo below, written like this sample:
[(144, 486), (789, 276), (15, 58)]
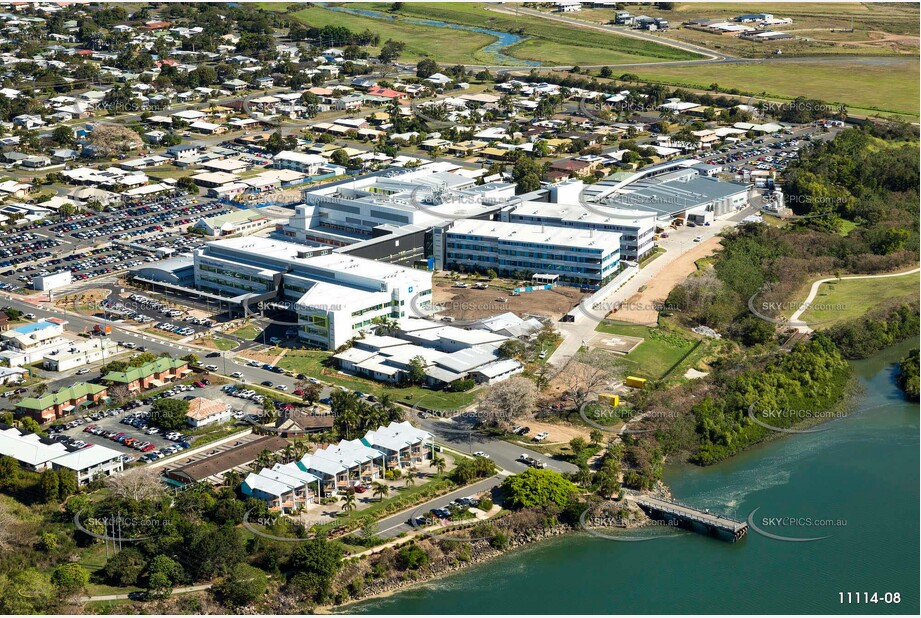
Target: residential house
[(89, 462), (206, 412)]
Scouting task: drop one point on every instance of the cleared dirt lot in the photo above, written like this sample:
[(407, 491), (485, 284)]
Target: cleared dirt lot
[(473, 304), (559, 433), (640, 308)]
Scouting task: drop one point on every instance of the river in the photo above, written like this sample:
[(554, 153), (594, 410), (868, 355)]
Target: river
[(493, 51), (860, 475)]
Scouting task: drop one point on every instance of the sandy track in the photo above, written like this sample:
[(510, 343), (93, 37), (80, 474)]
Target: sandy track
[(640, 308)]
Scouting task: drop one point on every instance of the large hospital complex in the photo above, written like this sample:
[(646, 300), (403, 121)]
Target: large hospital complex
[(362, 249)]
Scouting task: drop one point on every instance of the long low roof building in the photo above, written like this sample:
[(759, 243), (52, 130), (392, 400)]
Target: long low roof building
[(29, 449)]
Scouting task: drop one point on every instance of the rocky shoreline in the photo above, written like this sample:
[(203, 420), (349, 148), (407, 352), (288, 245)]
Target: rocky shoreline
[(480, 552)]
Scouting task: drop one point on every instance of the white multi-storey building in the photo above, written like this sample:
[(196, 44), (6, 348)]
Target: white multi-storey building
[(348, 211), (334, 296), (575, 256)]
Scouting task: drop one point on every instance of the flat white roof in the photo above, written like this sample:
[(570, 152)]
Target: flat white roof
[(577, 212), (538, 234), (396, 436)]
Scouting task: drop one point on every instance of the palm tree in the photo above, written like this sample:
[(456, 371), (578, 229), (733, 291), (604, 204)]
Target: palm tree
[(380, 489), (439, 463), (411, 477), (265, 459), (232, 478), (348, 502)]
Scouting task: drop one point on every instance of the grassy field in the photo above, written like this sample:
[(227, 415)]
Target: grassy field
[(449, 46), (657, 355), (223, 344), (310, 363), (848, 299), (546, 42), (864, 85), (821, 28)]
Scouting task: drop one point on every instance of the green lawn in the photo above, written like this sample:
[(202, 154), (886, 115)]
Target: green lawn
[(658, 353), (848, 299), (865, 85), (223, 344), (310, 363), (548, 41), (250, 332)]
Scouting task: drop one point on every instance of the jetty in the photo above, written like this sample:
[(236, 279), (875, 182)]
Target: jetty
[(695, 520)]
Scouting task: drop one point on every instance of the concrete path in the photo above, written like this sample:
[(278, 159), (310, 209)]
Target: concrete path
[(118, 597), (814, 290)]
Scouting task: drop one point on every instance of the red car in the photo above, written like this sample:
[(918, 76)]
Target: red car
[(360, 489)]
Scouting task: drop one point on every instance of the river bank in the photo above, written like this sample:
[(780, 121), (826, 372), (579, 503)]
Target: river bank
[(829, 475), (480, 552)]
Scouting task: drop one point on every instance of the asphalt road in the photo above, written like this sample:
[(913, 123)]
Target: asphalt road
[(394, 525)]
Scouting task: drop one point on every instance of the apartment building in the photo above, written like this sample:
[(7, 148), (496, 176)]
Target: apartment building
[(52, 406), (150, 375)]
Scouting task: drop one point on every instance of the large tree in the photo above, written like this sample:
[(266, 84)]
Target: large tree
[(534, 487), (509, 399)]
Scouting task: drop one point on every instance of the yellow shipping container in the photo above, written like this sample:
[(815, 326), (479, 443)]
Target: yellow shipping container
[(609, 399), (634, 382)]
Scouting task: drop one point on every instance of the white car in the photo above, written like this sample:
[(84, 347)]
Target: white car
[(481, 454), (83, 371), (281, 387), (236, 374), (541, 436), (211, 367), (698, 238)]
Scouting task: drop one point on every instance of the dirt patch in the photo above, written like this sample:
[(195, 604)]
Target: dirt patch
[(262, 357), (640, 308), (473, 304), (559, 433), (85, 301)]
